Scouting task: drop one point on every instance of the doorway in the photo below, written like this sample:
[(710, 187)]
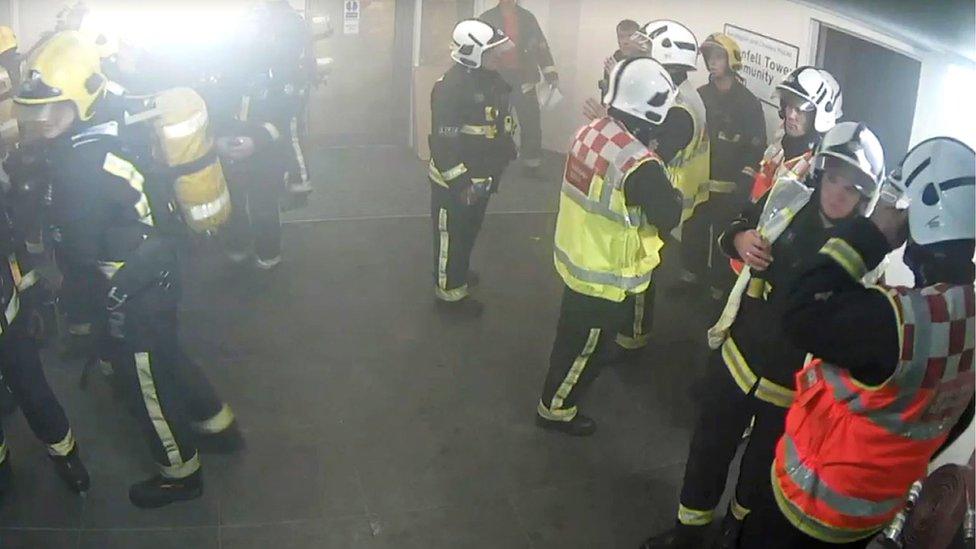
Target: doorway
[(880, 86)]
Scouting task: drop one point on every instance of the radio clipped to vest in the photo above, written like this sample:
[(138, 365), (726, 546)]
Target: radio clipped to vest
[(184, 144)]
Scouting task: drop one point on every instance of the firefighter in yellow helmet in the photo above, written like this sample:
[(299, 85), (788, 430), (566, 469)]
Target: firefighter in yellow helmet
[(737, 138), (118, 226)]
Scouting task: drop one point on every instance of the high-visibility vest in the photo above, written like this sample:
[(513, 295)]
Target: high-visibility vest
[(851, 452), (690, 169), (604, 248), (773, 167)]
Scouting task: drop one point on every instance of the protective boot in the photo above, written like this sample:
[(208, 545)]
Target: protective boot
[(159, 491), (728, 537), (679, 537), (579, 426), (465, 308), (72, 471)]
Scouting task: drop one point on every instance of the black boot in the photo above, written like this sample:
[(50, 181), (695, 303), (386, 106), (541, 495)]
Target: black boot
[(728, 537), (465, 308), (72, 471), (159, 490), (579, 426), (679, 537)]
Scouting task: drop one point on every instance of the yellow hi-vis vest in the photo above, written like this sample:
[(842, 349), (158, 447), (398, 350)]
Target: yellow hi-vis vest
[(690, 169), (603, 248)]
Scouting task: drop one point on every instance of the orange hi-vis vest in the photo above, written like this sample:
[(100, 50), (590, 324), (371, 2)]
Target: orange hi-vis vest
[(774, 165), (851, 452)]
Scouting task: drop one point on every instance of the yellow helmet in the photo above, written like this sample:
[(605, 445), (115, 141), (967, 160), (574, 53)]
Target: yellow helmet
[(65, 68), (8, 40), (725, 42)]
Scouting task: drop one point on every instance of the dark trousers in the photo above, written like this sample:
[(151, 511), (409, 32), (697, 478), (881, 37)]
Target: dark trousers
[(171, 391), (767, 528), (700, 252), (724, 415), (584, 344), (24, 375), (530, 123), (636, 332), (255, 215), (80, 303), (455, 229)]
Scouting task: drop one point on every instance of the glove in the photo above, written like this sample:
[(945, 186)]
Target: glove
[(476, 191)]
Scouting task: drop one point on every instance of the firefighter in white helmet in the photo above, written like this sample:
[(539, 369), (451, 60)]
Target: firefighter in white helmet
[(616, 206), (471, 144), (751, 368), (893, 379)]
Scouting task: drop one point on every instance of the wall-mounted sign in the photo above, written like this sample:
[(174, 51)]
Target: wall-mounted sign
[(350, 17), (765, 61)]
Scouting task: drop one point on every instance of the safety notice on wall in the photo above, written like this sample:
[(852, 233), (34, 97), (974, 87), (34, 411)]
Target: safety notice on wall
[(765, 61), (350, 17)]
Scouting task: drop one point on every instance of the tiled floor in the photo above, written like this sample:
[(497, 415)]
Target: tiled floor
[(371, 422)]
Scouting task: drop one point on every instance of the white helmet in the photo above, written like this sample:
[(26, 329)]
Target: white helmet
[(937, 182), (669, 43), (641, 87), (820, 92), (856, 145), (472, 38)]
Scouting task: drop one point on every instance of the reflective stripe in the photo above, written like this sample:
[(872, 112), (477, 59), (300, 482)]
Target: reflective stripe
[(443, 250), (13, 307), (296, 144), (810, 525), (572, 377), (694, 517), (457, 294), (639, 339), (272, 131), (219, 422), (3, 451), (591, 206), (845, 256), (109, 268), (736, 363), (187, 127), (119, 167), (245, 110), (63, 447), (443, 178), (488, 130), (183, 470), (738, 510), (562, 414), (723, 187), (202, 212), (774, 393), (549, 70), (596, 277), (150, 399), (816, 488), (28, 280)]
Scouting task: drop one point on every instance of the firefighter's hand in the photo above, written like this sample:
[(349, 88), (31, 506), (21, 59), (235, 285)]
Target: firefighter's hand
[(552, 78), (609, 64), (592, 109), (892, 222), (235, 148), (754, 249)]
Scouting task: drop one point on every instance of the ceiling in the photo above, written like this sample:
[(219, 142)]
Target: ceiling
[(942, 25)]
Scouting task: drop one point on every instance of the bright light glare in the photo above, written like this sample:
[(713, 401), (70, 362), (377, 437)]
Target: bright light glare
[(154, 27), (957, 89)]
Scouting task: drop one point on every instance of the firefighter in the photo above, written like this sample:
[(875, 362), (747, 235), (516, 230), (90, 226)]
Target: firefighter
[(737, 139), (627, 48), (252, 115), (893, 380), (675, 47), (520, 67), (120, 228), (20, 363), (616, 205), (470, 146), (750, 371)]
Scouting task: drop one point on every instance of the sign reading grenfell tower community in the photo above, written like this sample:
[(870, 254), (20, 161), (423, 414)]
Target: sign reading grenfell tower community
[(765, 61)]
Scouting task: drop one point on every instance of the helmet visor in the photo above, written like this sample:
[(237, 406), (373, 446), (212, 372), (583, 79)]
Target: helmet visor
[(790, 100), (34, 113), (35, 90)]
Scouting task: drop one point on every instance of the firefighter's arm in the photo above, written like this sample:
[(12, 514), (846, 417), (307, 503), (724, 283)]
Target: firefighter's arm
[(649, 188), (747, 220), (832, 315), (445, 137), (150, 263), (543, 56)]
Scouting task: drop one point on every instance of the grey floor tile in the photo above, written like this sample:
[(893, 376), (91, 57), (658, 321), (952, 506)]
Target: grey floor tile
[(38, 497), (475, 525), (183, 538), (600, 513), (346, 533), (38, 539)]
